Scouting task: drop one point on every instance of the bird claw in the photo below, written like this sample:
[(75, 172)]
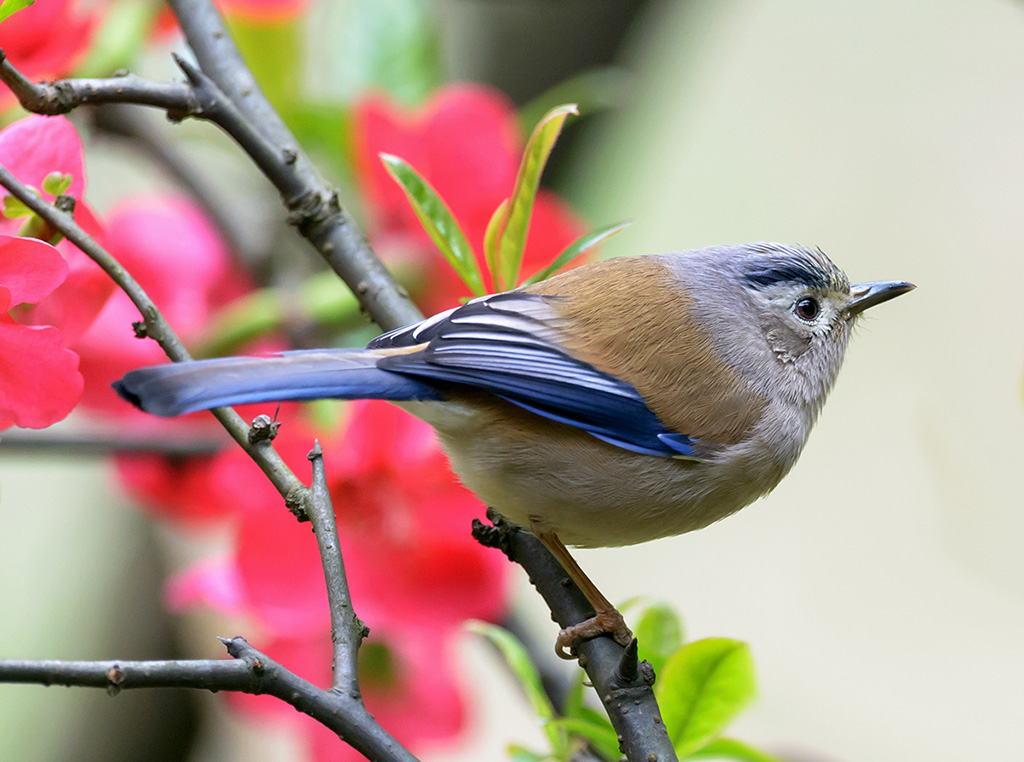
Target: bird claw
[(609, 622)]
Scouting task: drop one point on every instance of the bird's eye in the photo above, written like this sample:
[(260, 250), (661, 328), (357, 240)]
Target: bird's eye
[(807, 309)]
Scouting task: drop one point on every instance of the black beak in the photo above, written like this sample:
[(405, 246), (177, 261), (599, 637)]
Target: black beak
[(869, 294)]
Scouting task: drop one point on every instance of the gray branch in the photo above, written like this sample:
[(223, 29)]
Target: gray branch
[(347, 631), (249, 671), (156, 327), (63, 96)]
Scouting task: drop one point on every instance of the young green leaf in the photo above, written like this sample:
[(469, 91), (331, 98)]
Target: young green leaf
[(659, 634), (517, 220), (702, 687), (573, 250), (14, 208), (524, 669), (9, 7), (56, 183), (437, 220), (730, 748), (492, 238)]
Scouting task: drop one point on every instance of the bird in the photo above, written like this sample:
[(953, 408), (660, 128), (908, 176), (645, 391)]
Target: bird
[(625, 400)]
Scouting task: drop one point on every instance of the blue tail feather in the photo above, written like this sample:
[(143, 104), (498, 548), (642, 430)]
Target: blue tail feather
[(180, 388)]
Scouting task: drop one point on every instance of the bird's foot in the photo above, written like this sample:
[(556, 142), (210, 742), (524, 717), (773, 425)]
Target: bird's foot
[(605, 622)]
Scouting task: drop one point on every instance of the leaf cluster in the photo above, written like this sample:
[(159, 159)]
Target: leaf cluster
[(505, 237), (702, 686)]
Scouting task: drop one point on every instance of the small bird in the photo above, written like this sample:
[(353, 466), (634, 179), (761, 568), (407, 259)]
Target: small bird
[(623, 401)]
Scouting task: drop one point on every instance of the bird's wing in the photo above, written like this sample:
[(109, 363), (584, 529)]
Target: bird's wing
[(508, 344)]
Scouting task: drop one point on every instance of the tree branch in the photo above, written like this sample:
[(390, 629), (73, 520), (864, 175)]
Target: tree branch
[(313, 206), (63, 96), (316, 211), (621, 681), (249, 671), (155, 327), (347, 631)]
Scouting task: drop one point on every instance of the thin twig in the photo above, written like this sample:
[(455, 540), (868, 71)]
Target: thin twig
[(347, 631), (63, 96), (155, 327), (249, 671)]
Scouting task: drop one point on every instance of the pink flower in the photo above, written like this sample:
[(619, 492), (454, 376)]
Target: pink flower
[(47, 40), (466, 142), (31, 149), (39, 378), (177, 257)]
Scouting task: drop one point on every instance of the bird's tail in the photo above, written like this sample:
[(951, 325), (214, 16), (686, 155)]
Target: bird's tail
[(185, 387)]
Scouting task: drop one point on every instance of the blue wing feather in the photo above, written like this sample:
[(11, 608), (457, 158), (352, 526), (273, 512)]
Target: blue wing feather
[(507, 344)]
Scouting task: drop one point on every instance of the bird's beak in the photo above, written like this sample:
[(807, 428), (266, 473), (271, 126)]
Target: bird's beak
[(869, 294)]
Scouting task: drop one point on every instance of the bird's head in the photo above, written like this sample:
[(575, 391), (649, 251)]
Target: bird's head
[(780, 315)]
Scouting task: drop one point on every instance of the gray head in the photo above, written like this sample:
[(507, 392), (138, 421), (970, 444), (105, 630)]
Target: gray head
[(780, 315)]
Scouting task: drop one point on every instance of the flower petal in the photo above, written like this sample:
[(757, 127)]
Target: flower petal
[(29, 269), (39, 378)]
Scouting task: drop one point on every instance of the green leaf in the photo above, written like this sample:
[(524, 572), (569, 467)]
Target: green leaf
[(659, 634), (56, 183), (15, 208), (575, 249), (517, 220), (524, 669), (492, 237), (9, 7), (703, 686), (437, 220), (601, 736), (729, 748)]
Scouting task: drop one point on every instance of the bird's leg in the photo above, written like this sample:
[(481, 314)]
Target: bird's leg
[(606, 620)]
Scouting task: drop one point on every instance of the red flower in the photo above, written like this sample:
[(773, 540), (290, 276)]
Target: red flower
[(47, 40), (31, 149), (466, 142), (39, 378)]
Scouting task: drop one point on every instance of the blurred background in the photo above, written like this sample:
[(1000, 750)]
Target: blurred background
[(880, 587)]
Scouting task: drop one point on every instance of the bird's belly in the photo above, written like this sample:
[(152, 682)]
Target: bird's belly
[(590, 493)]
